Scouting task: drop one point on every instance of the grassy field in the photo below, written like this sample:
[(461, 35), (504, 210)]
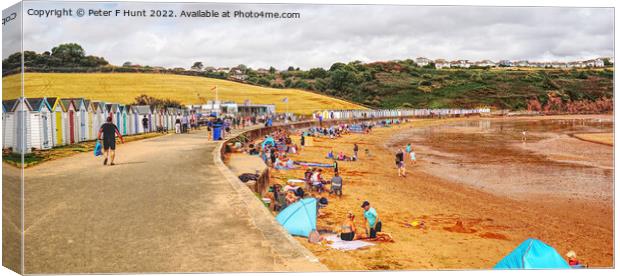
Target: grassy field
[(124, 87)]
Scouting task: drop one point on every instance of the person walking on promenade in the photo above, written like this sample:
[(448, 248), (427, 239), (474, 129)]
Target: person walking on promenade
[(177, 126), (145, 124), (109, 131)]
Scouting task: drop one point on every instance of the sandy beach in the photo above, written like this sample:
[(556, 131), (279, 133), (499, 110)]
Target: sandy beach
[(479, 188)]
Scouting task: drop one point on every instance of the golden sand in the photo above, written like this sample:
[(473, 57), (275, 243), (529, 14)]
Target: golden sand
[(465, 228)]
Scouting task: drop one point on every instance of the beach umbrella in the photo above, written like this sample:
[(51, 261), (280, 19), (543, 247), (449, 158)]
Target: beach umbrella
[(299, 219), (533, 254)]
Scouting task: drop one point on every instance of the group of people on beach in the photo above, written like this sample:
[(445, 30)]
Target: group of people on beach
[(372, 226), (274, 150)]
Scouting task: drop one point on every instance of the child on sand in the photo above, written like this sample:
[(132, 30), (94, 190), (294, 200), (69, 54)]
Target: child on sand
[(573, 261), (412, 156)]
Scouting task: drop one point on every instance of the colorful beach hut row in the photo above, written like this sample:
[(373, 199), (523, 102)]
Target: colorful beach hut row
[(43, 123), (383, 113)]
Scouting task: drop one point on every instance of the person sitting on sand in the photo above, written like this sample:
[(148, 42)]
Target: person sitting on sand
[(252, 150), (336, 187), (573, 261), (372, 218), (347, 229), (317, 180), (290, 197), (330, 154)]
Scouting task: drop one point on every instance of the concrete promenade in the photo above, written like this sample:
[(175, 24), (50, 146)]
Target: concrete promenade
[(168, 205)]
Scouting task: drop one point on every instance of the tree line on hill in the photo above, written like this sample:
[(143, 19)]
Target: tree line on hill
[(69, 55), (392, 84)]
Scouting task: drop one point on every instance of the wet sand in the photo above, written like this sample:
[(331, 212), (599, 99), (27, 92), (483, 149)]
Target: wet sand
[(473, 215)]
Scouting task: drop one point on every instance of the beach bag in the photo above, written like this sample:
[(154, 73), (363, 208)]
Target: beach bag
[(97, 150)]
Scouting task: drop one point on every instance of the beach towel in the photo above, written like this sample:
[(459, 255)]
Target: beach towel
[(97, 150), (311, 164), (296, 181), (339, 244)]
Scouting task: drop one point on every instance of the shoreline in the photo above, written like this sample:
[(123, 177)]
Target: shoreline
[(491, 225)]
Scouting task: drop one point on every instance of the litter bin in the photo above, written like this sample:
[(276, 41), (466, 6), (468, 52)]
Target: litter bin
[(217, 132)]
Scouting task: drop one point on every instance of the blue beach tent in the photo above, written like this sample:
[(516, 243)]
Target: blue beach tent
[(533, 254), (299, 219)]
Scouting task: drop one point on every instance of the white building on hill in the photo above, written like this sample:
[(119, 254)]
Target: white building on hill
[(422, 61)]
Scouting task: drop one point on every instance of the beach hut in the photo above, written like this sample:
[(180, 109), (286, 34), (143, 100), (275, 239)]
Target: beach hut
[(18, 126), (41, 129), (69, 121), (532, 254), (160, 119), (99, 113), (114, 111), (81, 119), (130, 120), (122, 125), (88, 134), (172, 113), (8, 123), (166, 118), (142, 111), (57, 116), (135, 120), (154, 118)]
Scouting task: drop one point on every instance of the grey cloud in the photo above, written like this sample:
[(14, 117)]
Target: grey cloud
[(330, 33)]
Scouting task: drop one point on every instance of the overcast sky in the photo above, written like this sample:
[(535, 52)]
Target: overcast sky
[(326, 34)]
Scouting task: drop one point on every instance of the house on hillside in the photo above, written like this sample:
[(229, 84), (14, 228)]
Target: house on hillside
[(442, 63), (222, 70), (463, 63), (595, 63), (557, 64), (262, 71), (485, 63), (576, 64), (237, 74), (505, 63), (521, 63), (422, 61)]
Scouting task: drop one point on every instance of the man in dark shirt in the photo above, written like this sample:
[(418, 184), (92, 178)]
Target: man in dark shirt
[(145, 124), (109, 132)]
